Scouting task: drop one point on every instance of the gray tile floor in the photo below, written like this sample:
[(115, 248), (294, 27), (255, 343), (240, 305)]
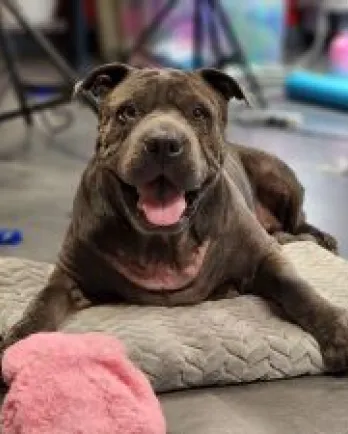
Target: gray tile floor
[(39, 173)]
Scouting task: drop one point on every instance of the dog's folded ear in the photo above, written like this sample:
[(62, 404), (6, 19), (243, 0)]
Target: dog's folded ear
[(224, 84), (102, 79)]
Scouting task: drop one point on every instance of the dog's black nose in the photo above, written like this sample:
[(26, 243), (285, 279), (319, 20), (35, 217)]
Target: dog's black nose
[(164, 148)]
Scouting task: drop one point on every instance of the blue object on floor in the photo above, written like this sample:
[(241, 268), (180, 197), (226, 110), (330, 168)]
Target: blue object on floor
[(10, 237), (325, 90)]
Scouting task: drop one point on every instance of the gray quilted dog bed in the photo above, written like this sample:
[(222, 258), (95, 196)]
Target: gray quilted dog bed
[(214, 343)]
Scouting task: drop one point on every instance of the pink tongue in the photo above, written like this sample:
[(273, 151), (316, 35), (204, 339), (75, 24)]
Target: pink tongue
[(165, 212)]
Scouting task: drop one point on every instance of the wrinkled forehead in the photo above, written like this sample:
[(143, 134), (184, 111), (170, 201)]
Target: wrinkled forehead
[(162, 87)]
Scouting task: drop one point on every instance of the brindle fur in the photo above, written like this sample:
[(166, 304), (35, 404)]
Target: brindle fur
[(252, 199)]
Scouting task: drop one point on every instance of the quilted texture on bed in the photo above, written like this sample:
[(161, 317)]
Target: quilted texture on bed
[(215, 343)]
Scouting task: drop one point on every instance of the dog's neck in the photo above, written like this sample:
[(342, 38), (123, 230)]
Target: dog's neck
[(154, 262), (139, 249), (99, 222), (162, 276)]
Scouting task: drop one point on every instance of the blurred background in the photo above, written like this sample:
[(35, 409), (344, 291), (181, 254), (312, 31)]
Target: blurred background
[(292, 56)]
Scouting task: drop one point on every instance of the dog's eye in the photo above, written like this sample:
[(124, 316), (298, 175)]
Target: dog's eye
[(126, 113), (199, 112)]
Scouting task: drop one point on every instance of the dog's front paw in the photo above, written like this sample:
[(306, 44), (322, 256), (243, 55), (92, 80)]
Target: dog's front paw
[(2, 349), (3, 385), (335, 345), (328, 242)]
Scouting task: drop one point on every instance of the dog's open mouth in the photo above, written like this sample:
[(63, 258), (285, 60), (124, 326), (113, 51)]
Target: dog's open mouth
[(160, 202)]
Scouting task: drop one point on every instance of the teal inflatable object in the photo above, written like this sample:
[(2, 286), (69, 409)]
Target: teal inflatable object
[(325, 90)]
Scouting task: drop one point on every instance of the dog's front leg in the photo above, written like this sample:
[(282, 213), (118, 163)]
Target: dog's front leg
[(48, 309), (276, 279)]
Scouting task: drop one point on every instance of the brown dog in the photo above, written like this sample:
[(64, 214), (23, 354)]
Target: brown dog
[(168, 213)]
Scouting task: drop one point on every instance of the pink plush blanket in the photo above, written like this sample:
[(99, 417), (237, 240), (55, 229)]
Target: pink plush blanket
[(76, 384)]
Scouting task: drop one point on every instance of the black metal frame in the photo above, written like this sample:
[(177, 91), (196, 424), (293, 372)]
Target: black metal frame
[(217, 20), (21, 88)]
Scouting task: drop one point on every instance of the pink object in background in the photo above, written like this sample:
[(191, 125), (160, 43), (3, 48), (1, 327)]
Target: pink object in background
[(76, 384), (338, 54)]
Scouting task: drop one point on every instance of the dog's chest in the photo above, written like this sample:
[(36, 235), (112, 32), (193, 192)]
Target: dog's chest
[(161, 277)]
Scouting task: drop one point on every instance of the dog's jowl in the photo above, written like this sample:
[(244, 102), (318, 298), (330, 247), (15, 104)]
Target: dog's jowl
[(168, 212)]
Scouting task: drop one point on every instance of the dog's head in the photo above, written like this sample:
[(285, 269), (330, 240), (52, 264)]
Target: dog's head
[(161, 138)]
